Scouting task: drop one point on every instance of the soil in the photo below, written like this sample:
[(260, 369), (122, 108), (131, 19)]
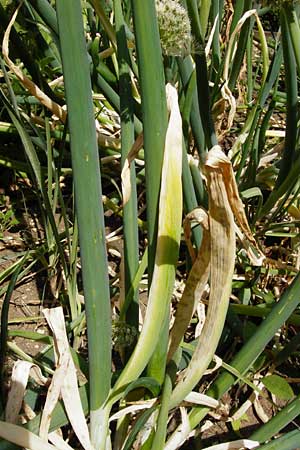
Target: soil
[(26, 301)]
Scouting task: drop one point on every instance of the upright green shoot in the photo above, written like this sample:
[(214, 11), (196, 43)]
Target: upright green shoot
[(154, 111), (127, 141), (153, 108), (88, 195)]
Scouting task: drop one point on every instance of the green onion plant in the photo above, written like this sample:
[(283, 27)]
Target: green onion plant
[(153, 132)]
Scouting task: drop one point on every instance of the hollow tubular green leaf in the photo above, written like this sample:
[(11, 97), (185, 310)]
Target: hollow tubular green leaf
[(289, 441), (203, 16), (289, 10), (154, 111), (256, 311), (169, 230), (204, 100), (239, 8), (198, 183), (131, 256), (88, 194), (162, 421), (153, 107), (157, 365), (186, 72), (189, 195), (264, 50), (242, 42), (245, 357), (135, 284), (291, 87), (216, 20), (272, 76), (47, 13), (193, 192), (190, 89), (249, 58), (202, 77), (278, 422)]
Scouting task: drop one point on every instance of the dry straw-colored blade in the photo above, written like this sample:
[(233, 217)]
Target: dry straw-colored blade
[(224, 204), (222, 259), (56, 439), (237, 445), (201, 399), (195, 283), (64, 382), (132, 409), (236, 204), (24, 438), (53, 395), (19, 380)]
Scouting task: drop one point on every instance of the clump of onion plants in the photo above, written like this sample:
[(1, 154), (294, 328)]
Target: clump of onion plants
[(174, 28)]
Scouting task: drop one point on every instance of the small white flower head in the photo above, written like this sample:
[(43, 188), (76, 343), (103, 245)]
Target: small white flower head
[(174, 28)]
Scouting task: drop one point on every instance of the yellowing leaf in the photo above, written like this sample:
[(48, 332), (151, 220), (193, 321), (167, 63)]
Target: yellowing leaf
[(168, 238)]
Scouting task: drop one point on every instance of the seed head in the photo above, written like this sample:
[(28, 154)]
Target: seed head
[(174, 28)]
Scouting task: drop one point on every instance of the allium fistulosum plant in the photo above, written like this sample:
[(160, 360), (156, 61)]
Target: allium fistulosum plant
[(162, 113)]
